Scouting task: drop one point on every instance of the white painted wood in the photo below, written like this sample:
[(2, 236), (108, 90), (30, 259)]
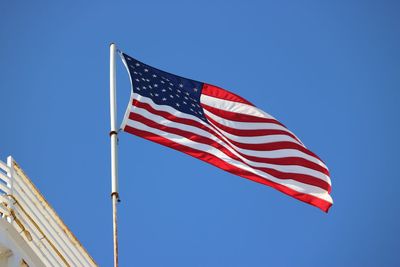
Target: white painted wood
[(42, 238), (4, 178), (4, 167)]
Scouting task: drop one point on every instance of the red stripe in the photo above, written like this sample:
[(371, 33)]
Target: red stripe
[(289, 161), (233, 116), (273, 146), (247, 132), (267, 146), (279, 161), (207, 157), (303, 178), (218, 92), (225, 114)]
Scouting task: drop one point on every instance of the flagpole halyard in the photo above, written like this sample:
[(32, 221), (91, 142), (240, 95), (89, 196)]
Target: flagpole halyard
[(114, 148)]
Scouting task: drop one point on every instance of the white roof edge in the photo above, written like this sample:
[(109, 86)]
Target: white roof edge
[(38, 223)]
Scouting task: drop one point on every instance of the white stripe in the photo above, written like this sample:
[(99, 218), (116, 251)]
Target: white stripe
[(226, 105), (279, 153), (180, 114), (245, 125), (127, 111), (283, 168), (297, 186), (234, 106), (265, 154), (261, 139)]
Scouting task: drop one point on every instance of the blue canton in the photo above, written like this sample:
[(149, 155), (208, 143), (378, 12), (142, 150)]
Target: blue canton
[(165, 88)]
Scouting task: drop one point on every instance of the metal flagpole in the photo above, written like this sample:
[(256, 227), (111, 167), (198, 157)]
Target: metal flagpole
[(114, 149)]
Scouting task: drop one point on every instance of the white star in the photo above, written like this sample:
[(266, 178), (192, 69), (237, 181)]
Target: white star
[(177, 95), (147, 80), (146, 70), (179, 91), (150, 87), (137, 64), (154, 75), (128, 58), (135, 72), (144, 87), (177, 104), (186, 98), (171, 84), (162, 82), (143, 79), (156, 94), (184, 102), (181, 85), (170, 88), (193, 105), (164, 99), (163, 90), (187, 93), (195, 89), (171, 96), (137, 80), (155, 85)]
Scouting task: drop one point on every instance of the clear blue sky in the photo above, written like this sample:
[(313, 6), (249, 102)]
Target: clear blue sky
[(329, 70)]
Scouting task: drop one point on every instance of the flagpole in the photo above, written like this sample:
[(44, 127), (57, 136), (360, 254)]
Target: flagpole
[(114, 148)]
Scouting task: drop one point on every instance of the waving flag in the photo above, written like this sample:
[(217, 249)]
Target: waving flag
[(223, 129)]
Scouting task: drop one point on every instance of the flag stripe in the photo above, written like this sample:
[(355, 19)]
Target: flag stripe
[(144, 116), (251, 133), (165, 112), (301, 187), (273, 138), (226, 119), (267, 126), (323, 202), (233, 106), (240, 117), (152, 111), (209, 90)]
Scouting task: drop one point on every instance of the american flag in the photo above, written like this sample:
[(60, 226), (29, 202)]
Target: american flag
[(223, 129)]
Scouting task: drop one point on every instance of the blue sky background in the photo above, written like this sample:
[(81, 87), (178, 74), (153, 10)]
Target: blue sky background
[(329, 70)]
